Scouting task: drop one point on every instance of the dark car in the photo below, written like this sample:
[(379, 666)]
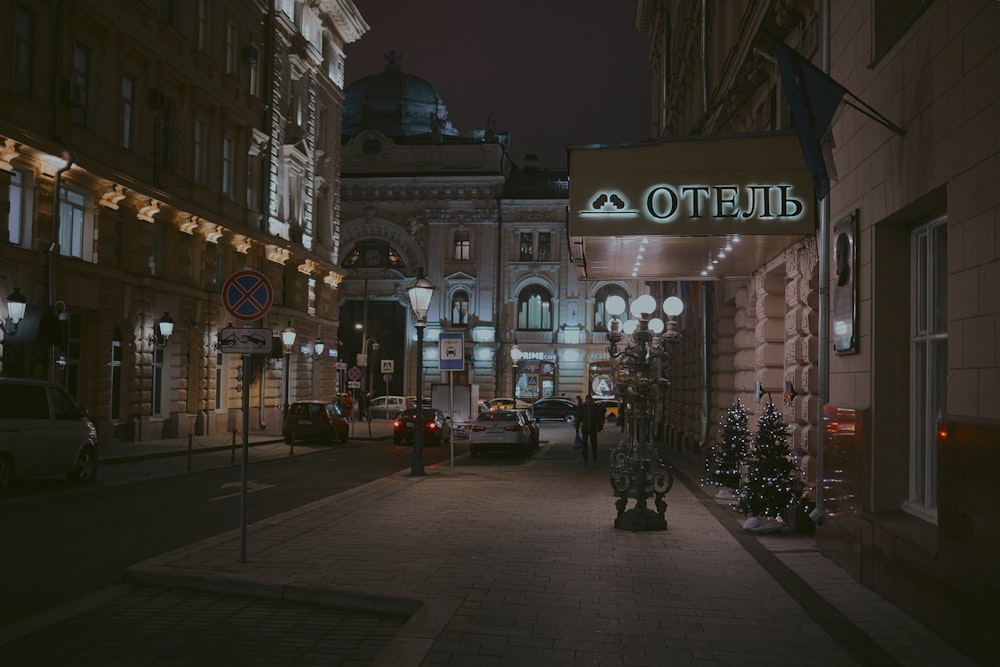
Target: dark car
[(44, 432), (437, 428), (507, 430), (315, 420), (536, 436), (554, 408)]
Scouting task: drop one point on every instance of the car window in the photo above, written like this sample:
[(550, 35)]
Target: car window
[(63, 406), (23, 401)]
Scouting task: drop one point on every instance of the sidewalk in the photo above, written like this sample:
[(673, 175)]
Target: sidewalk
[(510, 561)]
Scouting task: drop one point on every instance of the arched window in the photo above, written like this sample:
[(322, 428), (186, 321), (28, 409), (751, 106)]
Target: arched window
[(460, 308), (534, 309), (601, 317)]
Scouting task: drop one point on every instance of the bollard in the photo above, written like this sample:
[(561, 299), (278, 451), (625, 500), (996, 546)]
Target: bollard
[(190, 445)]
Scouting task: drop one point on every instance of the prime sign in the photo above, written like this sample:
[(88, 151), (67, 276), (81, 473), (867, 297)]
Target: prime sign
[(755, 184)]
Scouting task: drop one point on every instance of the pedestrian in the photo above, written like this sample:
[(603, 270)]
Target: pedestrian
[(366, 405), (578, 413), (591, 423), (349, 405)]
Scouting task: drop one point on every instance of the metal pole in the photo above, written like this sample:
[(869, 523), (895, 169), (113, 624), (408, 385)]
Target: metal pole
[(246, 454), (417, 467), (824, 283)]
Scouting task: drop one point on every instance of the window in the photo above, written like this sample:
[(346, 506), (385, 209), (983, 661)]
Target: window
[(230, 48), (220, 265), (601, 317), (75, 236), (116, 376), (198, 152), (463, 245), (527, 247), (78, 84), (128, 110), (460, 308), (203, 25), (156, 390), (162, 154), (255, 168), (534, 309), (890, 21), (544, 247), (156, 251), (19, 218), (929, 361), (24, 39), (227, 166), (254, 71), (311, 297)]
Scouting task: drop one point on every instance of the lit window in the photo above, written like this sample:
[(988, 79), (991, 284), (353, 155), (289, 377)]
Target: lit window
[(544, 247), (460, 309), (534, 309), (463, 246), (75, 233), (601, 317), (527, 247)]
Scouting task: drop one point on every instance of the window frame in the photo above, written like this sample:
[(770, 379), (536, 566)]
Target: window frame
[(534, 314)]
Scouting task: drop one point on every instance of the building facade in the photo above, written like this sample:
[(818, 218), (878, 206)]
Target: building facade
[(149, 151), (894, 413), (491, 236)]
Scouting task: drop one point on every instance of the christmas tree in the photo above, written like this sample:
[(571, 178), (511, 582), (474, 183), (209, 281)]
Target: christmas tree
[(726, 457), (771, 486)]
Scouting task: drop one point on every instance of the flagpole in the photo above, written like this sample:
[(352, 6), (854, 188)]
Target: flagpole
[(870, 111)]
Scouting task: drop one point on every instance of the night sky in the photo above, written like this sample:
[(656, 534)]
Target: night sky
[(552, 72)]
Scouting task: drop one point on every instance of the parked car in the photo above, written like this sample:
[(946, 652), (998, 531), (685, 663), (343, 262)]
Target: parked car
[(610, 408), (506, 430), (44, 432), (387, 407), (411, 401), (536, 433), (506, 404), (315, 420), (554, 408), (437, 427)]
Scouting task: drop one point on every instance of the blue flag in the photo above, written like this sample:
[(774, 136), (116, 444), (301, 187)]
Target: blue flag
[(814, 99)]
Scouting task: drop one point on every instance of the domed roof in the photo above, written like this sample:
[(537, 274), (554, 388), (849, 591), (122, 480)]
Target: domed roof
[(397, 104)]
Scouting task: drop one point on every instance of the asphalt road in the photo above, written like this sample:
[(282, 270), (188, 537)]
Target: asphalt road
[(61, 542)]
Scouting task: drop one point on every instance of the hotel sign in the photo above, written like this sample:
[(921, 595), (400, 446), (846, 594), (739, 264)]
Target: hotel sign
[(754, 184)]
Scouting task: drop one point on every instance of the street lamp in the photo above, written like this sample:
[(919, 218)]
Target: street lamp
[(637, 471), (420, 293), (287, 341), (515, 358), (162, 331), (17, 303)]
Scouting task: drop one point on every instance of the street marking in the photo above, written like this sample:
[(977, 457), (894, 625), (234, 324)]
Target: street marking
[(251, 487)]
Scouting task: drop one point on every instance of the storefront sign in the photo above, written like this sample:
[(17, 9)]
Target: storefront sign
[(757, 184)]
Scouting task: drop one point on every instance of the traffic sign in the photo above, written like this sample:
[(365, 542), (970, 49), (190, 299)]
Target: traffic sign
[(388, 365), (247, 295), (354, 373), (245, 341), (451, 351)]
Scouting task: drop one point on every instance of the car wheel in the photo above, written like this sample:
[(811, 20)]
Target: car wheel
[(5, 473), (569, 419), (85, 469)]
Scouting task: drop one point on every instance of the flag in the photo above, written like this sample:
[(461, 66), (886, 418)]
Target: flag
[(814, 99)]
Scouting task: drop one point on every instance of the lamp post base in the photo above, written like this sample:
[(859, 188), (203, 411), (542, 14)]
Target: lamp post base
[(640, 519)]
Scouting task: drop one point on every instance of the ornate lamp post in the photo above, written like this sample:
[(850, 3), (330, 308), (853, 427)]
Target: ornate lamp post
[(17, 303), (515, 369), (420, 293), (287, 341), (637, 471)]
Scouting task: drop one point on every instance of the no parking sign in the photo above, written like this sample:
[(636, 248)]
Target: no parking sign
[(247, 295)]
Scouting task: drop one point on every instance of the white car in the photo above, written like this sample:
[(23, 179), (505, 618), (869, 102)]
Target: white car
[(44, 432), (387, 407), (506, 430)]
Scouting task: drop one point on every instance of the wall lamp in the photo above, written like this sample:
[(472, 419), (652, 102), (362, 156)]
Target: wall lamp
[(17, 303), (318, 348), (162, 331)]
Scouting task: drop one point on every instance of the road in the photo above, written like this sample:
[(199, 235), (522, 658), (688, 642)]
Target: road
[(62, 542)]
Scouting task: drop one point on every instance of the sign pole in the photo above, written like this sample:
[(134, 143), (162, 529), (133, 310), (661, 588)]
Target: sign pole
[(451, 413), (246, 453)]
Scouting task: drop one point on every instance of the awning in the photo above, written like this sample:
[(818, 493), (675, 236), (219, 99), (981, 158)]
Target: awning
[(696, 208)]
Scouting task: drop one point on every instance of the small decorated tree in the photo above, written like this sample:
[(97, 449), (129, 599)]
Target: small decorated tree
[(771, 485), (724, 461)]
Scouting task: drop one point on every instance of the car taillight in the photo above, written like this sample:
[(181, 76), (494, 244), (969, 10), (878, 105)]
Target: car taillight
[(397, 424), (432, 425), (512, 428), (478, 428)]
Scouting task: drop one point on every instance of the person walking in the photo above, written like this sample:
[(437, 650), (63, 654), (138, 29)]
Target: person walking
[(591, 423), (578, 414)]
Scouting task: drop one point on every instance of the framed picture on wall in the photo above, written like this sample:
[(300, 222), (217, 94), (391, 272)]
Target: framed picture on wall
[(845, 284)]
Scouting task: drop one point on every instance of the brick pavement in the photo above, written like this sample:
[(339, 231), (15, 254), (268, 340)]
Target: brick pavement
[(512, 561)]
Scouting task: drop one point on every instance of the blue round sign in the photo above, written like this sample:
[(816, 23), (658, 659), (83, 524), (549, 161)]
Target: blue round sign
[(247, 295)]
